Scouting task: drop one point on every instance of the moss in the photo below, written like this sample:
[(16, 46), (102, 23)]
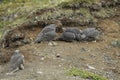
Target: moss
[(55, 14), (1, 24), (101, 14), (76, 3), (0, 34), (86, 1), (85, 74), (116, 43), (84, 15), (85, 12), (104, 13)]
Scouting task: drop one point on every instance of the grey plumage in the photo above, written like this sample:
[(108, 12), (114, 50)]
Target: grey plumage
[(47, 34), (90, 34), (76, 32), (73, 30), (67, 36), (16, 61)]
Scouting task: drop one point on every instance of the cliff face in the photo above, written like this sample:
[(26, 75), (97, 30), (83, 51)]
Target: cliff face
[(21, 27)]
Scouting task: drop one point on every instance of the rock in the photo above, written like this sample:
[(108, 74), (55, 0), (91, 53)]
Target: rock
[(83, 50), (52, 44), (40, 72), (90, 67), (26, 41), (58, 55)]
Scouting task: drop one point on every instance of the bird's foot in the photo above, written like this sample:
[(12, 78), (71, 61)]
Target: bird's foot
[(11, 73), (22, 66), (55, 44), (50, 44)]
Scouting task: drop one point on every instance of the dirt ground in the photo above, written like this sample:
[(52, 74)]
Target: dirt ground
[(45, 62)]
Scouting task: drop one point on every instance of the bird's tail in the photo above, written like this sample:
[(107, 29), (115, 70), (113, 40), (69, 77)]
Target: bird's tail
[(37, 41)]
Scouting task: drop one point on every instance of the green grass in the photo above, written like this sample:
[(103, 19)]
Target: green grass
[(85, 74)]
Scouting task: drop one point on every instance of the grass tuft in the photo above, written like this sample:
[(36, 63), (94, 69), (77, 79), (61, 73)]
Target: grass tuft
[(85, 74), (76, 3)]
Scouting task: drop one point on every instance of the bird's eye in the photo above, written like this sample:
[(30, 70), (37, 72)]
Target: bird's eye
[(59, 29)]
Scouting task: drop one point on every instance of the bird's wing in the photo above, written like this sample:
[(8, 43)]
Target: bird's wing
[(45, 30), (68, 36), (50, 35), (15, 58)]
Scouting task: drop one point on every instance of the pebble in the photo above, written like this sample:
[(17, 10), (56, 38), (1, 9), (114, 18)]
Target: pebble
[(40, 72), (90, 67), (50, 44), (60, 65), (83, 50), (42, 58), (58, 55)]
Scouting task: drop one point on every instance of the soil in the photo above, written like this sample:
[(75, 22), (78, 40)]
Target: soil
[(45, 62)]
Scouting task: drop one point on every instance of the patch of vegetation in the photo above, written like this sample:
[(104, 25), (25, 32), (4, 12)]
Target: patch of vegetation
[(18, 21), (86, 1), (101, 14), (86, 13), (85, 74), (1, 25), (17, 9), (76, 3), (104, 13), (0, 34), (116, 43), (56, 14)]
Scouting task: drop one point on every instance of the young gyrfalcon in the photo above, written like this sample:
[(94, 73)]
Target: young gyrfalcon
[(47, 34), (76, 32), (67, 36), (70, 34), (16, 62), (91, 34)]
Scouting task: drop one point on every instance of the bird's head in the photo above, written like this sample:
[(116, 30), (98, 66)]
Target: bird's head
[(58, 26), (17, 51)]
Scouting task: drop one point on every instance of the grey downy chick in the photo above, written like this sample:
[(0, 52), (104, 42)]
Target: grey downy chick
[(16, 62), (90, 34), (67, 36), (47, 34), (76, 31), (70, 34)]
